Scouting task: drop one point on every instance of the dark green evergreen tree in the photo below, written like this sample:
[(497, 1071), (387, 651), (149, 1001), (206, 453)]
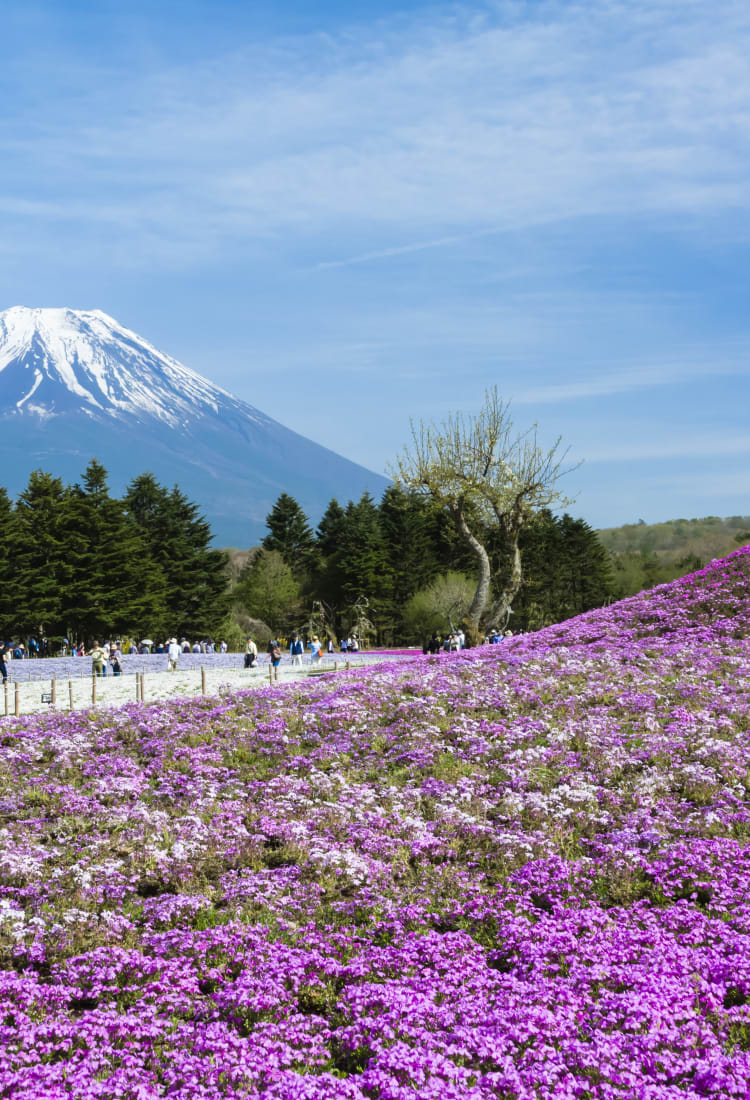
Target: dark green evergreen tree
[(566, 572), (40, 558), (585, 568), (178, 540), (328, 533), (113, 586), (362, 558), (408, 525), (289, 533), (328, 567), (9, 547)]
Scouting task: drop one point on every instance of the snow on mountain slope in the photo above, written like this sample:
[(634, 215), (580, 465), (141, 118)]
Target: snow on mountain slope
[(53, 360), (76, 385)]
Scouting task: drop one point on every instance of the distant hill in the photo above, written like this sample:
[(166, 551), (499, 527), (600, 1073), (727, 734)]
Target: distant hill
[(710, 537), (647, 554)]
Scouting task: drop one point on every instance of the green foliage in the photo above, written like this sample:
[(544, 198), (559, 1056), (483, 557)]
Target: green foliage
[(114, 584), (675, 539), (231, 632), (567, 571), (289, 533), (76, 562), (40, 565), (644, 555), (269, 591), (9, 544), (177, 539), (441, 606), (359, 565)]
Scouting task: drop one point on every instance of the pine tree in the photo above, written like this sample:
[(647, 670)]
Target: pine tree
[(327, 574), (40, 559), (566, 569), (290, 533), (328, 533), (407, 523), (362, 558), (585, 567), (8, 567), (113, 587), (178, 539)]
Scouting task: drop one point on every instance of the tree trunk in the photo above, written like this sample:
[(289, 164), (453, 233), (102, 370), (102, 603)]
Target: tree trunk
[(502, 606), (482, 593)]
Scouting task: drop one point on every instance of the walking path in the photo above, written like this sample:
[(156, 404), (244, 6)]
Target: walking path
[(32, 695)]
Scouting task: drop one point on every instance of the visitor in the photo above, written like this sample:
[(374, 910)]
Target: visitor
[(251, 653), (274, 653), (173, 654), (98, 657), (329, 645), (114, 660), (5, 649), (316, 650), (223, 647), (296, 649)]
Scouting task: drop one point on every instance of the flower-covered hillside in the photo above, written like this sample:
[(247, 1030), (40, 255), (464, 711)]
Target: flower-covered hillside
[(515, 872)]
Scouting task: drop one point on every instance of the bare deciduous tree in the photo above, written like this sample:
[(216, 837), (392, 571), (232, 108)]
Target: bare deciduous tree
[(486, 474)]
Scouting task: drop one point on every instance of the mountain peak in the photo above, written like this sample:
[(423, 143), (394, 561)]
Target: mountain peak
[(63, 360), (76, 384)]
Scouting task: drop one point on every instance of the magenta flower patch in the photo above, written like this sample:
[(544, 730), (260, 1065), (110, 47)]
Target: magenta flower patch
[(514, 872)]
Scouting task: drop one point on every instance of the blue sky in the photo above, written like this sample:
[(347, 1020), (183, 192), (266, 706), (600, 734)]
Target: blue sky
[(353, 214)]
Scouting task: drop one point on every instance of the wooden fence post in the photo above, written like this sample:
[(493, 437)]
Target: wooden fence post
[(18, 699), (93, 689), (6, 698), (54, 691), (70, 693), (203, 681)]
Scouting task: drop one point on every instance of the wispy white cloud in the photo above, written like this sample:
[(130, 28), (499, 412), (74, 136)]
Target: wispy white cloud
[(496, 117), (612, 378), (389, 253)]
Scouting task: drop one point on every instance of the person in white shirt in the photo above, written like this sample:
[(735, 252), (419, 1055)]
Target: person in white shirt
[(251, 653), (173, 655), (296, 649)]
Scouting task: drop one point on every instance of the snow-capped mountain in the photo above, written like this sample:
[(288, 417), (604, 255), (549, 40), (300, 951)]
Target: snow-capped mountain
[(76, 384), (63, 359)]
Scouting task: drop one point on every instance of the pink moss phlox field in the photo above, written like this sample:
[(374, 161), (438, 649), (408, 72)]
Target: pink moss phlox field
[(519, 871)]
